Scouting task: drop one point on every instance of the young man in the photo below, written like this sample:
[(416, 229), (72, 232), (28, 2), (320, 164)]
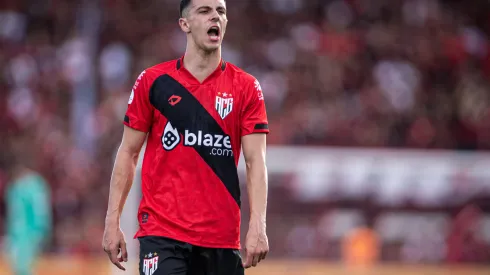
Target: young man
[(197, 113)]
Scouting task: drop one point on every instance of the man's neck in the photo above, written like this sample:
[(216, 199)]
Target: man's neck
[(201, 64)]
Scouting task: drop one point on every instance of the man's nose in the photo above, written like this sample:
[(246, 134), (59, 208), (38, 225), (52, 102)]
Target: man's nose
[(215, 16)]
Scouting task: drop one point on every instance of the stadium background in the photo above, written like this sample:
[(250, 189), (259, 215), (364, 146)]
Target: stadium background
[(379, 115)]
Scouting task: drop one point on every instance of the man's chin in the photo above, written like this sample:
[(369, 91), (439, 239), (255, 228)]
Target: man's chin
[(210, 48)]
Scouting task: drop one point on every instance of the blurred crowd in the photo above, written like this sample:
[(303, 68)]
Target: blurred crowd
[(367, 73)]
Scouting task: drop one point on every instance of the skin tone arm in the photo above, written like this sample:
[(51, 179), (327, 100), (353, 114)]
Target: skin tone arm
[(256, 243), (120, 185)]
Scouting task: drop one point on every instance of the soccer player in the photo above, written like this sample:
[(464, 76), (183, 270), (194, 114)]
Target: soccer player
[(197, 112), (29, 219)]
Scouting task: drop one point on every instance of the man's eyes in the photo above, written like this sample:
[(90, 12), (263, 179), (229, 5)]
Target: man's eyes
[(208, 10)]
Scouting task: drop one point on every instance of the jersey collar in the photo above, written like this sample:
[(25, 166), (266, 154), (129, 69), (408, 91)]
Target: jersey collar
[(192, 80)]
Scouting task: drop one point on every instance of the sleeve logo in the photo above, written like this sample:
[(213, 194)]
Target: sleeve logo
[(136, 83), (131, 97), (259, 90), (257, 85)]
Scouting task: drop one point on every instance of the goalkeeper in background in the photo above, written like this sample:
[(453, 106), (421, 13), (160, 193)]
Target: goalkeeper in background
[(28, 218)]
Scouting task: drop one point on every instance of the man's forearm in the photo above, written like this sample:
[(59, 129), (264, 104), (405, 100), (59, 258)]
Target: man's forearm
[(121, 181), (257, 190)]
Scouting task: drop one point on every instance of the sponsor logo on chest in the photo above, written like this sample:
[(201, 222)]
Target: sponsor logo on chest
[(220, 144)]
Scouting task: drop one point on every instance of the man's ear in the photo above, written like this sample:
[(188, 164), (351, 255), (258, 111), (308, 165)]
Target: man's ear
[(184, 25)]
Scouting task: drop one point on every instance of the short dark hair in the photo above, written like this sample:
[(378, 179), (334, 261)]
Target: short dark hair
[(183, 5)]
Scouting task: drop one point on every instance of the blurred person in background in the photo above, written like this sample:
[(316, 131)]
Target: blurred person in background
[(465, 243), (198, 111), (28, 203)]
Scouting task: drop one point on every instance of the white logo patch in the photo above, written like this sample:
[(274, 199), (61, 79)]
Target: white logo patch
[(260, 95), (136, 83), (257, 85), (131, 97), (170, 138)]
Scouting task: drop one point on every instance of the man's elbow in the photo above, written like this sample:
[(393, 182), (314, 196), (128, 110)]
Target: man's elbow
[(130, 152), (256, 164)]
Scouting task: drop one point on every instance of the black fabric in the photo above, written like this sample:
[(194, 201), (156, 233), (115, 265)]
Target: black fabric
[(126, 119), (189, 114), (179, 258), (261, 126)]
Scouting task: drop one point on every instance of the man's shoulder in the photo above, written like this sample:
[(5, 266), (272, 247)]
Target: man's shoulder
[(159, 69), (240, 74)]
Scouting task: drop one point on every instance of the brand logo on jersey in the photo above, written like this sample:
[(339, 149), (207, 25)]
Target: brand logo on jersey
[(150, 263), (131, 97), (224, 104), (259, 90), (136, 83), (221, 144), (173, 100), (170, 138), (257, 85)]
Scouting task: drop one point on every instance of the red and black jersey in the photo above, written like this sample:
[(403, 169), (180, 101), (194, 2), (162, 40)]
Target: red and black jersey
[(189, 176)]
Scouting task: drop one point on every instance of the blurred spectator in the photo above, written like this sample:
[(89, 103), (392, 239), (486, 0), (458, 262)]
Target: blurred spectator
[(28, 219)]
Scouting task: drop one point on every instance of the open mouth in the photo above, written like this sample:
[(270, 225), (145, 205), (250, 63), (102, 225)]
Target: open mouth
[(213, 33)]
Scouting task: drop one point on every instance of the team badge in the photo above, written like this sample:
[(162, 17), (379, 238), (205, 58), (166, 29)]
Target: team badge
[(150, 263), (224, 104)]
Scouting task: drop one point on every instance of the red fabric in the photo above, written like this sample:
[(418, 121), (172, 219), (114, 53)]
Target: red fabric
[(183, 198)]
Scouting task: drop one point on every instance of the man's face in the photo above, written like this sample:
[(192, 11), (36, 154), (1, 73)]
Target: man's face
[(206, 23)]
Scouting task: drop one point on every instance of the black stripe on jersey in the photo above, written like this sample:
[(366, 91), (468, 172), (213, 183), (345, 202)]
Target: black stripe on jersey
[(188, 114), (261, 127), (126, 119)]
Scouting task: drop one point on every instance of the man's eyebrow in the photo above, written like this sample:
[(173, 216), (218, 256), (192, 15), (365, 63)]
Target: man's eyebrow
[(209, 8), (203, 7)]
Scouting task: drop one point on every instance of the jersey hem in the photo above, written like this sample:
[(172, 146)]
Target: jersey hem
[(188, 240)]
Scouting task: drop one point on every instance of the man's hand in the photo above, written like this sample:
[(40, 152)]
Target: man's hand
[(114, 244), (256, 245)]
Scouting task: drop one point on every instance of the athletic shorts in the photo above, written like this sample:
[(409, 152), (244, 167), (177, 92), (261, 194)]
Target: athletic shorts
[(163, 256)]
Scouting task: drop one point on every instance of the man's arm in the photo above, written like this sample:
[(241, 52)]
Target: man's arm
[(254, 149), (121, 181), (123, 173)]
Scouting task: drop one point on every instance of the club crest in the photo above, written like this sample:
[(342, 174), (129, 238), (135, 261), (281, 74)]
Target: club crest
[(150, 263), (224, 104)]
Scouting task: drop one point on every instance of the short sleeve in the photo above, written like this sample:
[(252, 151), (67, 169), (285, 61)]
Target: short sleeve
[(254, 115), (139, 114)]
